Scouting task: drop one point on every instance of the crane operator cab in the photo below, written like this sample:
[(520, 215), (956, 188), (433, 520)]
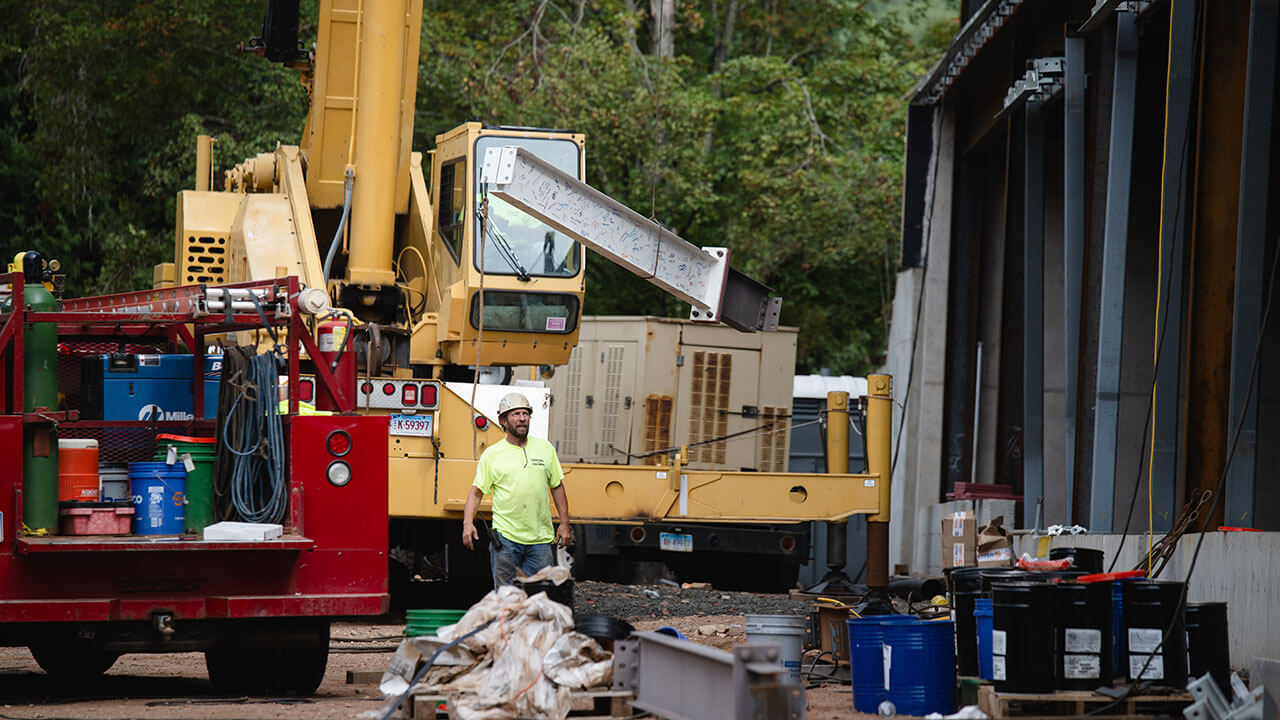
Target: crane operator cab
[(533, 273)]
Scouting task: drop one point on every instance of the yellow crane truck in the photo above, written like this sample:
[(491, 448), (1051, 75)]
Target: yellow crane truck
[(394, 238)]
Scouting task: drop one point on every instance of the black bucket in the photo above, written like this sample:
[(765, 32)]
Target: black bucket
[(1082, 635), (1150, 608), (1022, 637), (991, 576), (1208, 645), (1087, 559), (966, 586)]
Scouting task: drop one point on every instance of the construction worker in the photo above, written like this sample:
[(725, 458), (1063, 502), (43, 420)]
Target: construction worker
[(517, 471)]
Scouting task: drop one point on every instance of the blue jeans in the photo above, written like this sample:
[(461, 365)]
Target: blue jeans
[(513, 556)]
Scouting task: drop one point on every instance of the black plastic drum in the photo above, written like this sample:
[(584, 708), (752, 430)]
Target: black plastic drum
[(995, 575), (1087, 559), (1082, 635), (1208, 645), (1151, 609), (1022, 637), (966, 586)]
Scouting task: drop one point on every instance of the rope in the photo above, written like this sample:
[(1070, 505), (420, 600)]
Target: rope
[(1159, 553)]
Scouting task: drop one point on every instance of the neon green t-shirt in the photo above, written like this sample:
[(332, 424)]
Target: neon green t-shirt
[(518, 478)]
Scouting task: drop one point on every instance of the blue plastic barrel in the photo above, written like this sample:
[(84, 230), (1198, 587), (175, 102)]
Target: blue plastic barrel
[(159, 497), (922, 666), (982, 619), (866, 658)]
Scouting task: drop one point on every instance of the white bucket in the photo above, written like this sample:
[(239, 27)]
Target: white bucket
[(115, 482), (784, 631)]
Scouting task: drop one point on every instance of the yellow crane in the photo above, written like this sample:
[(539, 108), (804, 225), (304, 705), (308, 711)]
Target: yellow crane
[(446, 265)]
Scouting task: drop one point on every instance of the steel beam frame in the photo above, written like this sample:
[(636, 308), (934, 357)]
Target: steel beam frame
[(699, 276), (1251, 250), (1073, 188), (1114, 255), (680, 680), (1033, 312), (1175, 224)]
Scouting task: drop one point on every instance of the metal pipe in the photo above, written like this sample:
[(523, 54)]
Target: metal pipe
[(377, 144), (879, 463), (204, 154), (838, 463)]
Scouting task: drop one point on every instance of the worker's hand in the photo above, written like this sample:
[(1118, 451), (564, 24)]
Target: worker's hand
[(469, 535), (564, 535)]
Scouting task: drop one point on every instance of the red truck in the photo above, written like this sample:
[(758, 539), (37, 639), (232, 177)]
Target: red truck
[(259, 610)]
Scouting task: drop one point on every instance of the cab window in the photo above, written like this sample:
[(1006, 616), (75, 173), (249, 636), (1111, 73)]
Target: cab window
[(453, 205)]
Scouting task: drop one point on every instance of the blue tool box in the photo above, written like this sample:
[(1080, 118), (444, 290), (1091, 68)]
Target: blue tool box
[(128, 386)]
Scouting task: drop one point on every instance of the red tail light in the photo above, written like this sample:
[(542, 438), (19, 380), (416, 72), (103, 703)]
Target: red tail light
[(338, 443)]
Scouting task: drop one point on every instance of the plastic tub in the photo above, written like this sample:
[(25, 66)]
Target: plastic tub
[(785, 631)]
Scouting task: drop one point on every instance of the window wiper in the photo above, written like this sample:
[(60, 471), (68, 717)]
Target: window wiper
[(504, 249)]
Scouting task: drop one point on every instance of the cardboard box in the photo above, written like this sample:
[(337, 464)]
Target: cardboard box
[(995, 547), (959, 540)]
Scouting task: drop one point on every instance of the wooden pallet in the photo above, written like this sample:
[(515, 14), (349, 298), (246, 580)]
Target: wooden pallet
[(1075, 703), (605, 705)]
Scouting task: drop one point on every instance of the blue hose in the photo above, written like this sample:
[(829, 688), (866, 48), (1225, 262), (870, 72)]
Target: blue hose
[(259, 488)]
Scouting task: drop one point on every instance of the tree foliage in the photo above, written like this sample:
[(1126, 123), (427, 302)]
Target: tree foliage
[(772, 127)]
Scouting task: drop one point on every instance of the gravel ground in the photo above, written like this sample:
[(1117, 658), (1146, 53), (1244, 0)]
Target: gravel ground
[(645, 602), (176, 686)]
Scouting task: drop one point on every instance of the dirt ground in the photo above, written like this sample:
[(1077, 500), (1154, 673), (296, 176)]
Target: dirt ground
[(176, 685)]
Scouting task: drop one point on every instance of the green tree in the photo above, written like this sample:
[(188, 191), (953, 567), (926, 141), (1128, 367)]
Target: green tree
[(771, 128)]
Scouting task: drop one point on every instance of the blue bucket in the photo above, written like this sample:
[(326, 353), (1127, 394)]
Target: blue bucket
[(982, 619), (866, 658), (159, 498), (921, 660)]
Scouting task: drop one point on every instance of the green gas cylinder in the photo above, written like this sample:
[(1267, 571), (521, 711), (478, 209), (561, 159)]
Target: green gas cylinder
[(39, 391)]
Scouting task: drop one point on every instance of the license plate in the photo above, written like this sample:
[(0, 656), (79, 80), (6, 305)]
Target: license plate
[(415, 425), (675, 542)]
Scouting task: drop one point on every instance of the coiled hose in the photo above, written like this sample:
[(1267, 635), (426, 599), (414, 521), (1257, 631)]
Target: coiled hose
[(250, 480)]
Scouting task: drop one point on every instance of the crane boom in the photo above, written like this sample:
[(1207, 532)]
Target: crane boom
[(699, 276)]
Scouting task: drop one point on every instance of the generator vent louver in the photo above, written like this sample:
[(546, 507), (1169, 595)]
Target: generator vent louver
[(611, 404), (572, 405), (709, 405), (657, 426), (773, 442)]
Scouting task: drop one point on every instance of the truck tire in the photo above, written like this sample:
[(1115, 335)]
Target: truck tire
[(73, 659), (239, 671), (302, 669), (295, 669)]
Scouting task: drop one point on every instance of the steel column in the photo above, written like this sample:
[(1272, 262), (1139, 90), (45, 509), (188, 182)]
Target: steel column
[(1175, 217), (1032, 312), (1073, 221), (1114, 255), (1251, 244)]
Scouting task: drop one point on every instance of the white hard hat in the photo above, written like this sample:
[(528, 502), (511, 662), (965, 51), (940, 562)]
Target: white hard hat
[(512, 401)]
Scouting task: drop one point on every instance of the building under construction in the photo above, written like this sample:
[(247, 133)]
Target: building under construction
[(1084, 305)]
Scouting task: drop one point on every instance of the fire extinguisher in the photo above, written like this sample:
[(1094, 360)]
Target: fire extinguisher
[(333, 339)]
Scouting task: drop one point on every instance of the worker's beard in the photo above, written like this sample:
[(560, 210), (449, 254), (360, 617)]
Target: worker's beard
[(521, 432)]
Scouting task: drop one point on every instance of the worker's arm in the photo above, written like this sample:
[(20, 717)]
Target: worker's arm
[(564, 535), (469, 535)]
